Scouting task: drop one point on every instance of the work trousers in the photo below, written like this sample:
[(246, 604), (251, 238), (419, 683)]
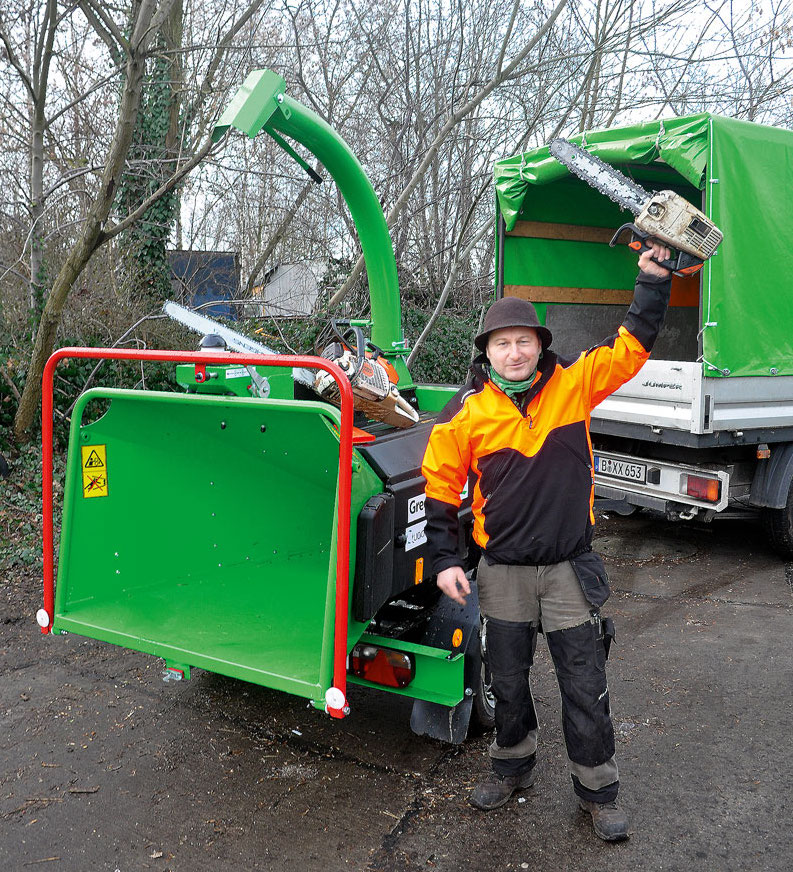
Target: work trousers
[(515, 602)]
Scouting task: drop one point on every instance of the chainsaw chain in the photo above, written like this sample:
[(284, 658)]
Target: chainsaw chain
[(562, 149)]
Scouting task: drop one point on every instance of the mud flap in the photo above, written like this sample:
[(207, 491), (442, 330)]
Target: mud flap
[(450, 723), (442, 722)]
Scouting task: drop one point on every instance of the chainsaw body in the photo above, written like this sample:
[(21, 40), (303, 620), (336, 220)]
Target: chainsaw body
[(374, 392)]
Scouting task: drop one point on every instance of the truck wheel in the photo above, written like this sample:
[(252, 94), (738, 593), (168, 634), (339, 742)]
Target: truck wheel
[(483, 713), (778, 527)]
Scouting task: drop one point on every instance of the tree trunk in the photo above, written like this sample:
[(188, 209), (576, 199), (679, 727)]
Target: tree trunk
[(39, 83), (280, 231), (36, 292), (91, 236)]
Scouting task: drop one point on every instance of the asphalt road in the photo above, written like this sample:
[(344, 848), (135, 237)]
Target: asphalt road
[(105, 767)]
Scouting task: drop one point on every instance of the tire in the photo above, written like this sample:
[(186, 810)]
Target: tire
[(483, 713), (778, 527)]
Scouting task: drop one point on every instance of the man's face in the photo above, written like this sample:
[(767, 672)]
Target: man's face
[(514, 351)]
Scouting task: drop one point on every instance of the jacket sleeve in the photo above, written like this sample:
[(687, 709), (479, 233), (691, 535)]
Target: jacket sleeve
[(618, 359), (445, 468)]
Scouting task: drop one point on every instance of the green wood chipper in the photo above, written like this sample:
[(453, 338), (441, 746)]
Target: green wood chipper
[(249, 527)]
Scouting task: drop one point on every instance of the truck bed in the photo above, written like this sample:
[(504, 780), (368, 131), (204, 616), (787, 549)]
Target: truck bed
[(676, 395)]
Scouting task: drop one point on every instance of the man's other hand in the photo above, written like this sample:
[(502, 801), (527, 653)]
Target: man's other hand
[(453, 583), (658, 251)]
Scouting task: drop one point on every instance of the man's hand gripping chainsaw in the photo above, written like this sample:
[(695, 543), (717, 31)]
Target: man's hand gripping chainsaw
[(372, 379)]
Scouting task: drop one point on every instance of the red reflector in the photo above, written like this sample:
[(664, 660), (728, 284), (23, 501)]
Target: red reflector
[(701, 488), (382, 666)]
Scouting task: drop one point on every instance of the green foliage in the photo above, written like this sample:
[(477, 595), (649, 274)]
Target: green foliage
[(20, 509), (445, 355), (15, 363), (145, 254), (286, 336), (70, 378)]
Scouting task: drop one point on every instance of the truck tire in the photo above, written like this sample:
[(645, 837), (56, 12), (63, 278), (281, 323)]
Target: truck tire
[(778, 527)]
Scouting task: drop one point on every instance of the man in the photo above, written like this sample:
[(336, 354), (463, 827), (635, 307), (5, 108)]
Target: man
[(521, 425)]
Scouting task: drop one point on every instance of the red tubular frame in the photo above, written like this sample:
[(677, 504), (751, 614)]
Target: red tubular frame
[(200, 357)]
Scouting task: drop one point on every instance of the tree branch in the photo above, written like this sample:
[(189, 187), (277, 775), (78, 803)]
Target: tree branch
[(447, 289), (167, 186), (452, 121), (12, 59)]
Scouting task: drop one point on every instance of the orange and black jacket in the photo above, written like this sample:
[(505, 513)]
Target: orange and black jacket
[(532, 461)]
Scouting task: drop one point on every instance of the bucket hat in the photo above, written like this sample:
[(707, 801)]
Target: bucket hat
[(511, 312)]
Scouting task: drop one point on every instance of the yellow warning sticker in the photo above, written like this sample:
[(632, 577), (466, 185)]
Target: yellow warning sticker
[(94, 467)]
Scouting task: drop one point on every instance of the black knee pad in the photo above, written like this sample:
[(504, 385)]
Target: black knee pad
[(579, 658), (510, 647)]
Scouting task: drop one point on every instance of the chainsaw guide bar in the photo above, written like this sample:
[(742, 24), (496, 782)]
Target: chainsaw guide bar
[(600, 175)]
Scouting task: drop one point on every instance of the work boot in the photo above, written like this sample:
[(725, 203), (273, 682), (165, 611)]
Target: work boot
[(610, 822), (495, 790)]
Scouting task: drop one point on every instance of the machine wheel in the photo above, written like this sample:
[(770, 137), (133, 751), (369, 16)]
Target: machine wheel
[(483, 713), (778, 527)]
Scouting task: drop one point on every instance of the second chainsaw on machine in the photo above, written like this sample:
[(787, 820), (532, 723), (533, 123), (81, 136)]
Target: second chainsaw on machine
[(663, 215), (373, 379)]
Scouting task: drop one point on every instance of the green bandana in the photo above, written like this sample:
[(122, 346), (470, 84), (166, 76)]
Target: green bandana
[(512, 388)]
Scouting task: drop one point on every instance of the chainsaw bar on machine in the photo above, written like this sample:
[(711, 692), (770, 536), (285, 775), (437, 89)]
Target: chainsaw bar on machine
[(662, 215), (235, 341)]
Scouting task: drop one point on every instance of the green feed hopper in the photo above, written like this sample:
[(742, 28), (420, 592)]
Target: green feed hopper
[(211, 540)]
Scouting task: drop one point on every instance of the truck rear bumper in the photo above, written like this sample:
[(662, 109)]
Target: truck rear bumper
[(660, 485)]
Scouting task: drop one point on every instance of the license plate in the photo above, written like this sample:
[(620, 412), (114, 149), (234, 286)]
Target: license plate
[(622, 469)]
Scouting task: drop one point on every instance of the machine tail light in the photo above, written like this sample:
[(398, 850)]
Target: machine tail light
[(701, 487), (382, 665)]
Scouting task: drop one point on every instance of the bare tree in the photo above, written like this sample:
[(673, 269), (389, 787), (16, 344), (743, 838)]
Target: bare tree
[(31, 61), (96, 229), (469, 102), (737, 61)]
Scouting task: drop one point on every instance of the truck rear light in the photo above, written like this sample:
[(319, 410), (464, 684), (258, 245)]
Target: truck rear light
[(700, 487), (382, 665)]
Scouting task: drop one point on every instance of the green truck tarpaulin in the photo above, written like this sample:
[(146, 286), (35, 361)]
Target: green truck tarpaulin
[(746, 172)]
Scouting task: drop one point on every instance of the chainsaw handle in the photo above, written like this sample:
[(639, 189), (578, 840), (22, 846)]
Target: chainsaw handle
[(681, 264)]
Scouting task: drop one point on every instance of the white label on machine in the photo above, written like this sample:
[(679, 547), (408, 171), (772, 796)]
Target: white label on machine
[(416, 507), (415, 535), (239, 372)]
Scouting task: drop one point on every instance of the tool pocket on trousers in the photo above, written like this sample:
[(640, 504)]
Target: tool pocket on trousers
[(609, 635), (592, 576)]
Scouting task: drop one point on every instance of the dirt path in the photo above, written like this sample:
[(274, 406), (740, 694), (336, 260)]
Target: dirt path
[(105, 767)]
